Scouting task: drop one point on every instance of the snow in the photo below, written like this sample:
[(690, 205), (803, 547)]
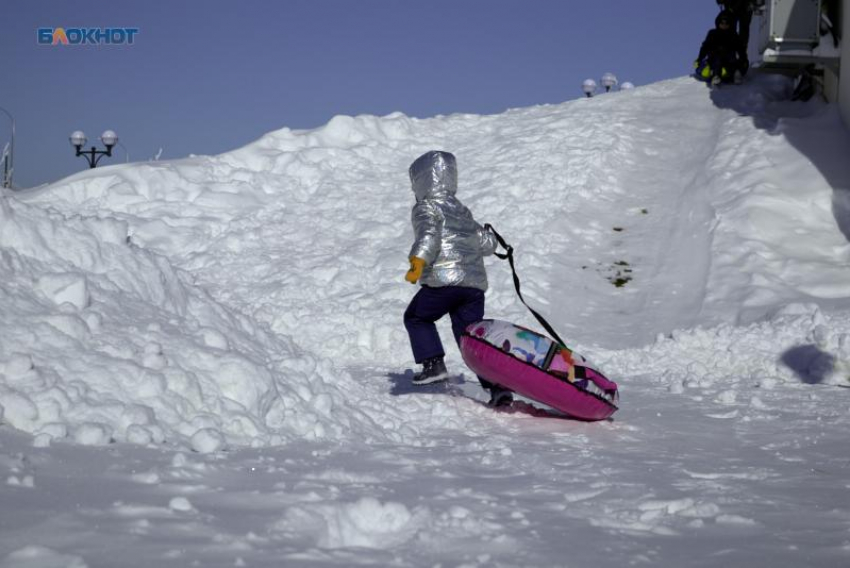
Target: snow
[(202, 361)]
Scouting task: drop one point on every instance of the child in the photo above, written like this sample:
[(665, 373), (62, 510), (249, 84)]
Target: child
[(722, 56), (447, 260)]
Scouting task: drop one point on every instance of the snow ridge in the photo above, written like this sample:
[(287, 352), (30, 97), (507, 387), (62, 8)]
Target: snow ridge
[(228, 300), (106, 341), (236, 320)]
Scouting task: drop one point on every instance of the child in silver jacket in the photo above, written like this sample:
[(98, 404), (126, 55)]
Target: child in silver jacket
[(447, 259)]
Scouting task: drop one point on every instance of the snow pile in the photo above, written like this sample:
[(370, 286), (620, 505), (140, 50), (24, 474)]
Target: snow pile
[(228, 300), (800, 345), (315, 248), (692, 243), (779, 228), (366, 523), (41, 557), (105, 341)]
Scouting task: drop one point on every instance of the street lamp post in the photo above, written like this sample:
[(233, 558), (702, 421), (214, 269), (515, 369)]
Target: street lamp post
[(589, 87), (126, 152), (9, 158), (93, 156), (5, 155), (609, 80)]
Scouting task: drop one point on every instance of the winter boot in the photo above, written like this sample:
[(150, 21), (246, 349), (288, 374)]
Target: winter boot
[(500, 397), (715, 81), (738, 78), (433, 371)]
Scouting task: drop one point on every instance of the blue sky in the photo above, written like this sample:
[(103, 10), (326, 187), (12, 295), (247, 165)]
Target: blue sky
[(208, 76)]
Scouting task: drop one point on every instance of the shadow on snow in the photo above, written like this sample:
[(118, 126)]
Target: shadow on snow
[(767, 100), (809, 363), (401, 384)]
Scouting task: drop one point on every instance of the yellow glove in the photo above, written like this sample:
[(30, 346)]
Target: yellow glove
[(415, 273)]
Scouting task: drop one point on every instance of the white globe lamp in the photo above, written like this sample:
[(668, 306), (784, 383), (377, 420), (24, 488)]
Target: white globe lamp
[(109, 138), (609, 81), (77, 139), (589, 87)]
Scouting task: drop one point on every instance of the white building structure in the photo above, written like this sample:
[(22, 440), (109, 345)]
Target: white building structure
[(796, 36)]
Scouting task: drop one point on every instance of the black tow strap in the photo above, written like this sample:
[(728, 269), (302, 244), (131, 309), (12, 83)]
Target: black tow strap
[(509, 255)]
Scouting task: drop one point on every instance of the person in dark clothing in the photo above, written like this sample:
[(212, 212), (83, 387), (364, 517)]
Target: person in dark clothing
[(742, 11), (722, 56)]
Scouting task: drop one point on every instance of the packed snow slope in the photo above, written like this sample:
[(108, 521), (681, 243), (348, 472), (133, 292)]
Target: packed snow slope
[(225, 296), (694, 244)]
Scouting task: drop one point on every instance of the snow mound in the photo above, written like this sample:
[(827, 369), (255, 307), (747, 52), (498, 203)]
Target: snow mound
[(104, 341), (798, 345), (365, 523), (41, 557), (307, 231), (256, 297)]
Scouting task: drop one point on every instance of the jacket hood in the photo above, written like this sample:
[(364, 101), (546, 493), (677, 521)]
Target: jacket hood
[(434, 174), (724, 15)]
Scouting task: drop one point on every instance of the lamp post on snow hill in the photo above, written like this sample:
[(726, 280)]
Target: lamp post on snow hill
[(9, 158), (93, 156), (609, 80), (589, 87)]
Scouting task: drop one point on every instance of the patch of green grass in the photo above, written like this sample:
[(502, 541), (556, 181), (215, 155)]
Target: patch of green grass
[(623, 274)]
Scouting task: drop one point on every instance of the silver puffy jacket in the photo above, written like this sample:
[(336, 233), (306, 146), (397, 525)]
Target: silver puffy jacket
[(448, 239)]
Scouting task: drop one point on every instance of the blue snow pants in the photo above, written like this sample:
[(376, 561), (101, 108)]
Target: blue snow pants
[(464, 306)]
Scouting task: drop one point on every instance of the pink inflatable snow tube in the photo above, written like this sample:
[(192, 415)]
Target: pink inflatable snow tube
[(538, 368)]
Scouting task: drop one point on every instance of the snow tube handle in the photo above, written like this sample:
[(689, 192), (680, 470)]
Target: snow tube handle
[(509, 256)]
